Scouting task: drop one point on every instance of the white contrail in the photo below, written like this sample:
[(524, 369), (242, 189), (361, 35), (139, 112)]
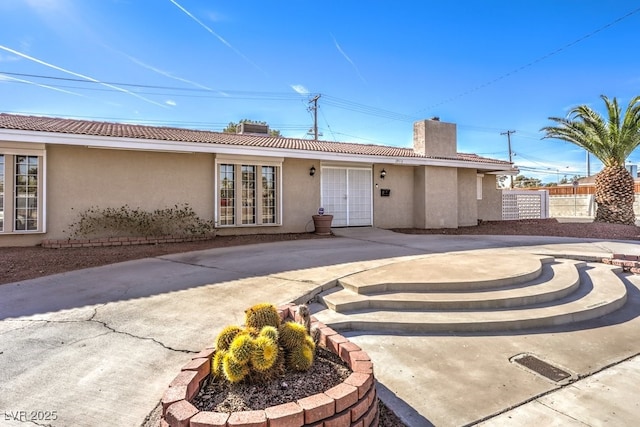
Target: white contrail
[(226, 43), (5, 77), (91, 79), (164, 73), (347, 58)]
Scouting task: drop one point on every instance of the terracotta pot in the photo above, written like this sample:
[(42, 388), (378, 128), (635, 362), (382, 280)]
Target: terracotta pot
[(322, 224)]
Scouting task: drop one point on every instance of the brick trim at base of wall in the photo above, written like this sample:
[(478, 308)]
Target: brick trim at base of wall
[(118, 241), (352, 403)]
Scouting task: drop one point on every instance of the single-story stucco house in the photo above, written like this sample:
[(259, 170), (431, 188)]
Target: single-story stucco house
[(52, 168)]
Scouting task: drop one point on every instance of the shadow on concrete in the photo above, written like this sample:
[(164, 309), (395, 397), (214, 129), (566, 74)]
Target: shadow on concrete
[(406, 413), (177, 272)]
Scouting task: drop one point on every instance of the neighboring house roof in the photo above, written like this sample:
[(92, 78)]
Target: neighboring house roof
[(155, 133)]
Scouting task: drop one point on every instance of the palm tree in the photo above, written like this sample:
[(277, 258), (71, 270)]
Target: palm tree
[(611, 140)]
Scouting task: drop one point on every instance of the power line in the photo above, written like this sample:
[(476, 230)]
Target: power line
[(534, 62), (329, 100), (225, 93)]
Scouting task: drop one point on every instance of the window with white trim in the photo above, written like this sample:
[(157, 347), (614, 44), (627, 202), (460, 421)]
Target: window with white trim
[(479, 186), (227, 199), (248, 192), (21, 192), (269, 207)]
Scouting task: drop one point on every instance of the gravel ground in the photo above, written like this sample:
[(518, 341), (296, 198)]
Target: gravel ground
[(541, 227)]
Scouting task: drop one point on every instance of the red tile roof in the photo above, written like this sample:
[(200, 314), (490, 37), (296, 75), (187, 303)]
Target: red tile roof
[(123, 130)]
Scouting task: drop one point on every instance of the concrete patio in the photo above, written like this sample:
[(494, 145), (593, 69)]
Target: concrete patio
[(102, 344)]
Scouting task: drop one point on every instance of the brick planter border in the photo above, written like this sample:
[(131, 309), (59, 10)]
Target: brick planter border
[(118, 241), (351, 403), (629, 263)]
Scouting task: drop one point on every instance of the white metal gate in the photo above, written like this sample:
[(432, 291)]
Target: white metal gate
[(347, 195)]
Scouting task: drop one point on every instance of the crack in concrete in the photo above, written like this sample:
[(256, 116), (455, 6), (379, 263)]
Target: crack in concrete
[(161, 344), (28, 325), (560, 412), (193, 264), (93, 319), (115, 331), (554, 390), (288, 279)]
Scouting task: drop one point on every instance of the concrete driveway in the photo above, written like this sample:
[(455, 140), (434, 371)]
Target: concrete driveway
[(99, 346)]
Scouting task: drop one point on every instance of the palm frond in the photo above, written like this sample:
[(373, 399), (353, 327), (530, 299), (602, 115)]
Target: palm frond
[(611, 139)]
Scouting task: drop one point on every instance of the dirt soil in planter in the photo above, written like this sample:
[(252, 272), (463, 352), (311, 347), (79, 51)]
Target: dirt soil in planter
[(327, 371)]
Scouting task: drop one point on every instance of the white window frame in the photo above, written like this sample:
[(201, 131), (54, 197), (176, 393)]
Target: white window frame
[(257, 163), (10, 151)]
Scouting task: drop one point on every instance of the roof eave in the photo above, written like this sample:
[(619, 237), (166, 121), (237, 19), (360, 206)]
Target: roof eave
[(123, 143)]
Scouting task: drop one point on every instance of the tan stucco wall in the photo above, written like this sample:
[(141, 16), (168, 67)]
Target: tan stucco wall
[(30, 239), (300, 195), (467, 197), (419, 197), (395, 211), (436, 197), (490, 207), (79, 178)]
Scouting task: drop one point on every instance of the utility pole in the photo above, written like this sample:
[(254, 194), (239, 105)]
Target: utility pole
[(588, 165), (508, 133), (314, 109)]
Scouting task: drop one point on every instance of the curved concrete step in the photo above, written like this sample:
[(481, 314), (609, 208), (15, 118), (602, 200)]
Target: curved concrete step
[(453, 272), (557, 280), (601, 292)]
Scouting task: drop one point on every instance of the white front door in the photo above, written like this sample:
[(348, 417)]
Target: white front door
[(347, 195)]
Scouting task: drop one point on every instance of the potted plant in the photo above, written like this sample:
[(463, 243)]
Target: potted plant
[(322, 223)]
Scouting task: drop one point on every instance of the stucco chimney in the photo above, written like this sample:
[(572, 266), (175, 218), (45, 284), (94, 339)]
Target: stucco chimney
[(435, 138)]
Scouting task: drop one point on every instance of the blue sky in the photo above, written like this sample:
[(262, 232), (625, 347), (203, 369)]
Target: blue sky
[(487, 66)]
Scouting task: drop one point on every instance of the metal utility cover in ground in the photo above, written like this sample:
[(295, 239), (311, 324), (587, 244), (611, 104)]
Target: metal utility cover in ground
[(541, 367)]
